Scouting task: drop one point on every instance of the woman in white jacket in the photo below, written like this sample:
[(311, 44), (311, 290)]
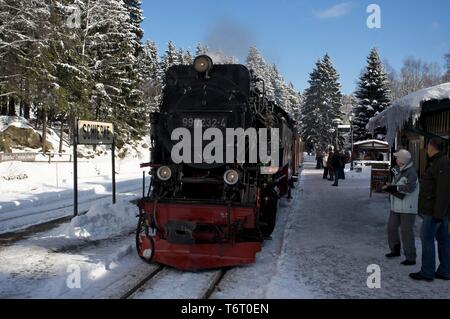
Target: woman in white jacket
[(404, 210)]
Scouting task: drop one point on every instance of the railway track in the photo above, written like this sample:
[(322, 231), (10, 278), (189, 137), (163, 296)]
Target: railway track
[(215, 283), (143, 282), (45, 211), (162, 272), (17, 235)]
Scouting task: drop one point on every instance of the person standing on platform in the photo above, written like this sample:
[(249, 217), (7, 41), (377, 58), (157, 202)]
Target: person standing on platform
[(434, 208)]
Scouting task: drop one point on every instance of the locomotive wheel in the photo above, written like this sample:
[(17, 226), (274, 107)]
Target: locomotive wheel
[(269, 217), (144, 242)]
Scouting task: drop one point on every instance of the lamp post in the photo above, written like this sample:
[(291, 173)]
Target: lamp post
[(331, 131), (337, 122), (351, 117)]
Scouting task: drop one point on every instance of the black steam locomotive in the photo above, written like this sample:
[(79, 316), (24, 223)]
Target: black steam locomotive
[(214, 199)]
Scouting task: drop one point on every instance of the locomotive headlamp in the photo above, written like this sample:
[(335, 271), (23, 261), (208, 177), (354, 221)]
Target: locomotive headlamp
[(231, 177), (203, 64), (164, 173)]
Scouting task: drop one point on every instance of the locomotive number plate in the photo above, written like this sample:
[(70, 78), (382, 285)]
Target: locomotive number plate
[(207, 122)]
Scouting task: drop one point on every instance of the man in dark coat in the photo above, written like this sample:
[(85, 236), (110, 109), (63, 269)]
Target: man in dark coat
[(338, 163), (319, 159), (434, 207)]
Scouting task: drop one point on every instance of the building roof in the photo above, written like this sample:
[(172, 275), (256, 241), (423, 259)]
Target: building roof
[(409, 107), (372, 145)]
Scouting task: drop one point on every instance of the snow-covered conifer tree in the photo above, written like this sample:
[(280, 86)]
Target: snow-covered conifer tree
[(373, 96), (322, 104), (170, 57), (256, 63)]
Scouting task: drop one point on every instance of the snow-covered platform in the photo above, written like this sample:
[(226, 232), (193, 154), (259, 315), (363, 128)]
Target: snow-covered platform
[(334, 234)]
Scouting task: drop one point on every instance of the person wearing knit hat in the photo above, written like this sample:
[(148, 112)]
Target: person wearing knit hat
[(404, 204), (403, 156)]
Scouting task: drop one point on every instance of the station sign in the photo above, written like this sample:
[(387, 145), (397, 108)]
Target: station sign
[(95, 133)]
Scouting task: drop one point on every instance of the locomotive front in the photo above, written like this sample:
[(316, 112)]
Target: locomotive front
[(205, 208)]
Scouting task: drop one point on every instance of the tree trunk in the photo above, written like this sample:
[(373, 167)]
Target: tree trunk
[(61, 133), (4, 105), (44, 130), (26, 110), (12, 107)]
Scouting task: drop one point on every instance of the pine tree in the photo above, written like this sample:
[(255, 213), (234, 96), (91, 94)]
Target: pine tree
[(149, 62), (294, 102), (136, 18), (201, 49), (256, 63), (311, 112), (279, 88), (180, 56), (447, 67), (373, 96), (151, 75), (333, 91), (111, 44), (90, 71), (276, 88), (25, 39), (188, 59), (171, 57), (69, 84), (24, 25), (297, 111), (323, 101)]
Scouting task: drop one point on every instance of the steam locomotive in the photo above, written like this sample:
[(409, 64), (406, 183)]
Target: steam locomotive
[(203, 212)]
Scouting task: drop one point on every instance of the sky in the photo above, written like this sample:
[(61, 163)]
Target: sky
[(294, 33)]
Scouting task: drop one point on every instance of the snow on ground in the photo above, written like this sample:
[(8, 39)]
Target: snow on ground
[(36, 269), (325, 239), (255, 281), (331, 236), (48, 187), (40, 267)]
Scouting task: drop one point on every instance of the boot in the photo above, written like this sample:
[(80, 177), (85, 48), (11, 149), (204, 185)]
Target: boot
[(439, 276), (419, 276), (408, 262), (395, 252)]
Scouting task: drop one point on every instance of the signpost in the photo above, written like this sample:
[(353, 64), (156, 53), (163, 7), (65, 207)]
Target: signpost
[(92, 133)]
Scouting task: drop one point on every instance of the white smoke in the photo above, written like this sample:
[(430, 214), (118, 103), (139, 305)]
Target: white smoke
[(228, 41)]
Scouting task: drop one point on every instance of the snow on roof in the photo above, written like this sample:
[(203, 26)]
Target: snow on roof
[(370, 142), (406, 108)]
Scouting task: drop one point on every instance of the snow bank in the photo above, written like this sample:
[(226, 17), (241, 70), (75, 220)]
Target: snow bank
[(408, 107), (7, 121), (103, 220)]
